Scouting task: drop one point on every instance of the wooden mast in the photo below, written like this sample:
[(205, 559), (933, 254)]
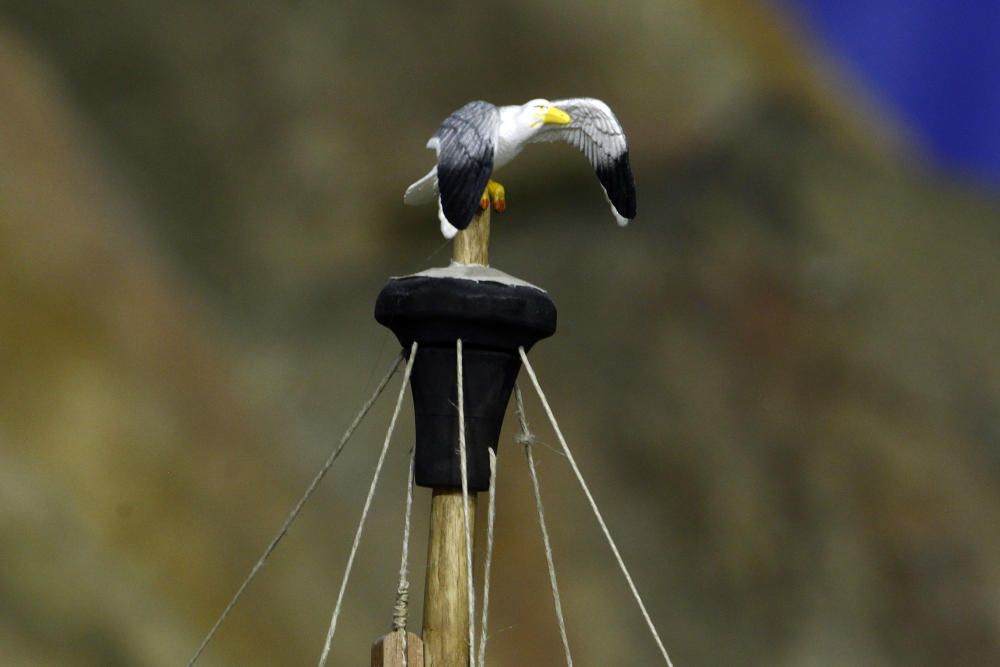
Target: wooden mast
[(445, 641), (446, 594), (472, 244)]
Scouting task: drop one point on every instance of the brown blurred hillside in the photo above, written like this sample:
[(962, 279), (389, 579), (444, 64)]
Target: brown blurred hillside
[(783, 380)]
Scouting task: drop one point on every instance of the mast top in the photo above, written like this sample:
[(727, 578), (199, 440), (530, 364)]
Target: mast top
[(472, 244)]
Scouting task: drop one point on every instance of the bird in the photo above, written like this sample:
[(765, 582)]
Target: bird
[(479, 138)]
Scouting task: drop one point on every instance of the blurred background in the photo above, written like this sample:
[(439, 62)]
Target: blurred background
[(782, 380)]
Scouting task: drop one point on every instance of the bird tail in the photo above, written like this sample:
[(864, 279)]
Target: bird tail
[(423, 191), (448, 230)]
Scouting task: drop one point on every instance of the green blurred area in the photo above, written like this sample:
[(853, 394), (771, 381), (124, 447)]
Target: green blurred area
[(782, 380)]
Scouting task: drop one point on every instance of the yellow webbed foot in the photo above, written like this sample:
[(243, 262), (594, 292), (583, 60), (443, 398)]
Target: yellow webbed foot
[(494, 192)]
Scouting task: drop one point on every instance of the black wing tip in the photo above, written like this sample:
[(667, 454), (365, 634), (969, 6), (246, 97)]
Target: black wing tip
[(619, 184), (453, 218), (461, 191), (459, 210)]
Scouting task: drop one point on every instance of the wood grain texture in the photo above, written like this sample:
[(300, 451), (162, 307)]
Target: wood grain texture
[(387, 651), (446, 601), (472, 244)]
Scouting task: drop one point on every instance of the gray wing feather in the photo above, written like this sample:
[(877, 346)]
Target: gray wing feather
[(597, 133), (465, 144)]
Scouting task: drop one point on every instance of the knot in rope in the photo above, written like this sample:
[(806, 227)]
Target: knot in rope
[(526, 438), (400, 610)]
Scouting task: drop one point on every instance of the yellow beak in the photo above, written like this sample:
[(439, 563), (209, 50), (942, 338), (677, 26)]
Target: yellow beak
[(554, 116)]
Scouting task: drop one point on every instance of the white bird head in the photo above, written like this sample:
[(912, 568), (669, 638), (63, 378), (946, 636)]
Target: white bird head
[(539, 112)]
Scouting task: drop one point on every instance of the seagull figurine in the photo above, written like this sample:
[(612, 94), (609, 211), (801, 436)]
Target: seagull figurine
[(479, 138)]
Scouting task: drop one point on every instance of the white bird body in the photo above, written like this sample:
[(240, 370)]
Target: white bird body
[(511, 136), (478, 139)]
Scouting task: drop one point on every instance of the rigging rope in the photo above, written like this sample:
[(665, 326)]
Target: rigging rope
[(368, 502), (400, 610), (490, 522), (593, 504), (527, 438), (465, 501), (295, 510)]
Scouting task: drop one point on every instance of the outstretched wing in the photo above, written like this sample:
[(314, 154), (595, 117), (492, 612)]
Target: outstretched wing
[(465, 144), (595, 131)]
